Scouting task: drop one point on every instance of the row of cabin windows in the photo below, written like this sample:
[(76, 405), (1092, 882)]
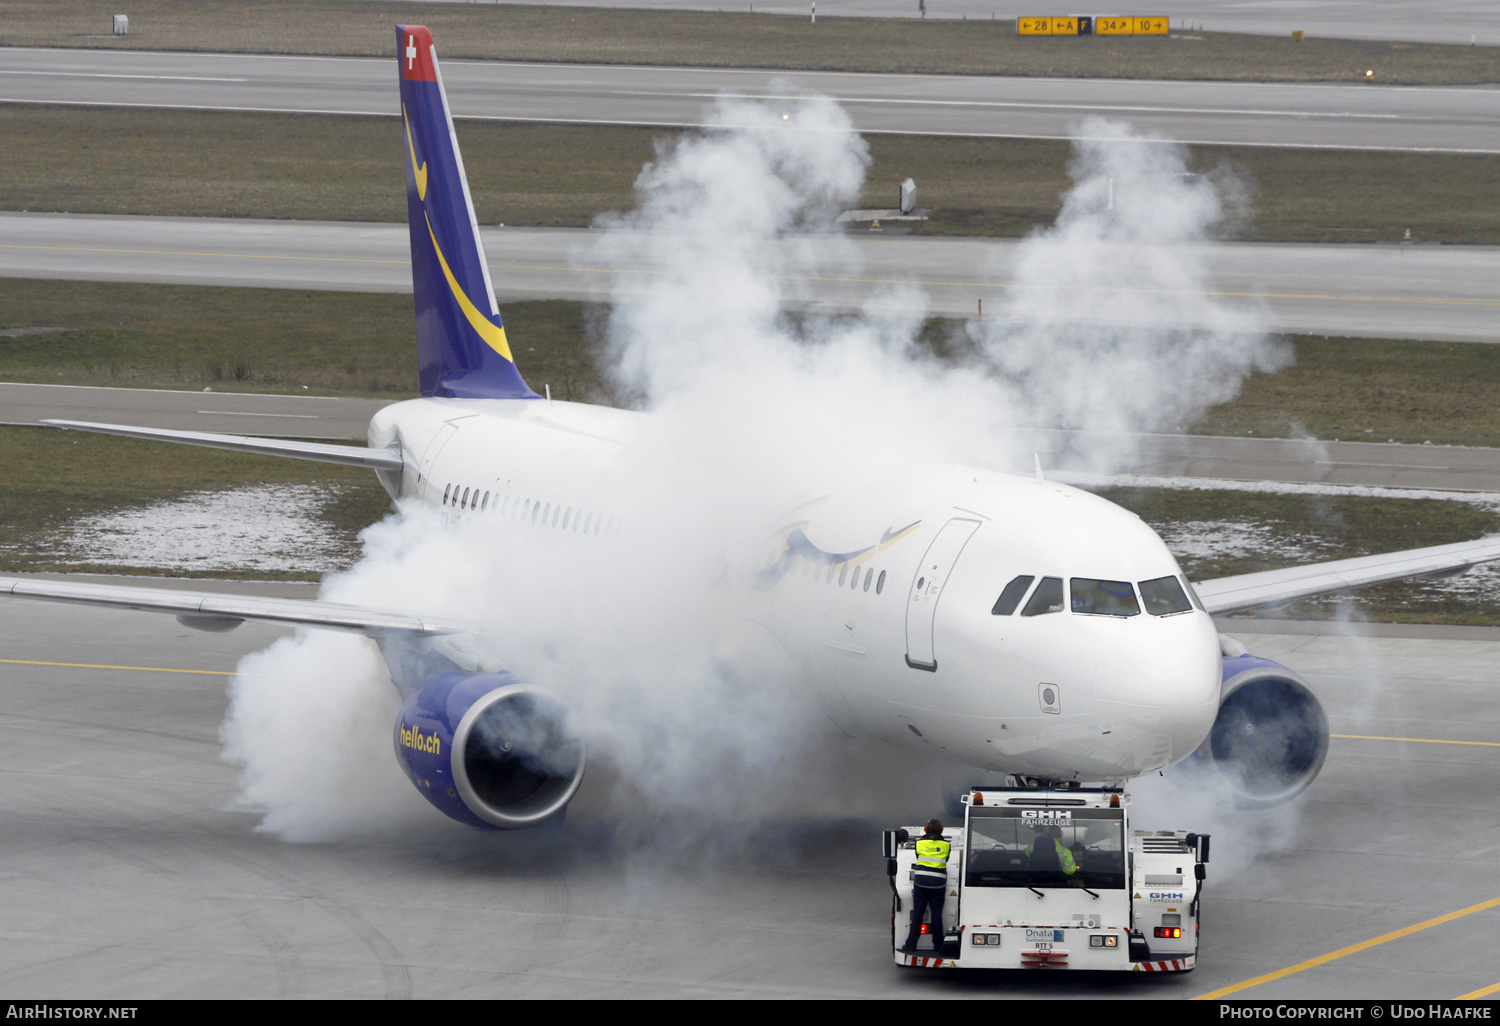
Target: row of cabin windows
[(533, 510), (814, 570)]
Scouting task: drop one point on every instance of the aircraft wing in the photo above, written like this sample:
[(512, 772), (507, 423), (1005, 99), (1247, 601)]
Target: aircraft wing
[(210, 611), (323, 452), (1276, 587)]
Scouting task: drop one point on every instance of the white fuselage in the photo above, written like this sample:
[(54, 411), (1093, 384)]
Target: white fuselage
[(882, 594)]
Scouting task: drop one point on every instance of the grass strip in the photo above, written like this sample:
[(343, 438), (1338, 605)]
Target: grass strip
[(735, 38), (256, 340), (346, 343), (337, 168), (1366, 390)]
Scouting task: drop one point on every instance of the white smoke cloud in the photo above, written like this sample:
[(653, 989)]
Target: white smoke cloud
[(1111, 323), (310, 722), (1196, 798), (1111, 326)]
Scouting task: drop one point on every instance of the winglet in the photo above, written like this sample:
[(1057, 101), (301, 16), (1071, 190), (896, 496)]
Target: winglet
[(461, 345)]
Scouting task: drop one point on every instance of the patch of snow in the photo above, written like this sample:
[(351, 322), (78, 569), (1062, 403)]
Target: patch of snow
[(1219, 539), (256, 528)]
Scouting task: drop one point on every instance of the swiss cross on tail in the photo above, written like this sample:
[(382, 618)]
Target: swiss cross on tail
[(416, 65)]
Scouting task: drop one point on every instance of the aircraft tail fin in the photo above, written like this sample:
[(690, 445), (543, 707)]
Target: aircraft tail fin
[(461, 345)]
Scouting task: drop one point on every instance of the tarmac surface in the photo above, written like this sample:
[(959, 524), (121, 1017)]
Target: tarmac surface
[(1436, 21), (1457, 119), (129, 873), (1372, 291)]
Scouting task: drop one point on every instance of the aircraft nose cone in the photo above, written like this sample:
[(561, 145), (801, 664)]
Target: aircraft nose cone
[(1172, 688)]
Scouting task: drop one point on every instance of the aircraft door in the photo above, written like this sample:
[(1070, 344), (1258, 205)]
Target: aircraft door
[(927, 588), (429, 456)]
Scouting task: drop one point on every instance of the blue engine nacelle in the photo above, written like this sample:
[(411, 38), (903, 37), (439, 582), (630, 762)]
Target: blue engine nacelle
[(1270, 737), (488, 750)]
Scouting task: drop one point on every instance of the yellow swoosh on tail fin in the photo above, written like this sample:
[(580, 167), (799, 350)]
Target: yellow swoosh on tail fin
[(420, 172), (493, 336)]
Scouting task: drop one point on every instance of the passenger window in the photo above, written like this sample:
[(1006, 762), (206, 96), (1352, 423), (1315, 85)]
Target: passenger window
[(586, 522), (1048, 598), (566, 517), (556, 514), (445, 494), (484, 503), (869, 574), (1010, 598), (464, 502), (880, 582), (536, 511), (505, 506), (1104, 598), (1164, 596), (844, 572)]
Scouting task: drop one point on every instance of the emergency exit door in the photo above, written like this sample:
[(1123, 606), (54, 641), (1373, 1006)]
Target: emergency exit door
[(927, 589)]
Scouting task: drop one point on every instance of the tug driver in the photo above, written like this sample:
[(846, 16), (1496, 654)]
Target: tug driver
[(929, 885), (1047, 853)]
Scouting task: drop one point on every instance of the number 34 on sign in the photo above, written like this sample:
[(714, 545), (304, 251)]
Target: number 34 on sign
[(1104, 25)]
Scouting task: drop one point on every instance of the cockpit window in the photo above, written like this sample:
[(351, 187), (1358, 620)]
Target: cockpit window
[(1197, 600), (1048, 598), (1010, 598), (1164, 596), (1104, 598)]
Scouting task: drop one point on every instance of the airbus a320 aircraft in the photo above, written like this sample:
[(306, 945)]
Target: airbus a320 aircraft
[(1016, 624)]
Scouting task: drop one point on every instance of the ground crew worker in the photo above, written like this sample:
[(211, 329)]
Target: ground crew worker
[(929, 886), (1049, 840)]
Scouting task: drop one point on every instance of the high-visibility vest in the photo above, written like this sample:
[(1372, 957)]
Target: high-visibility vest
[(1064, 856), (931, 869)]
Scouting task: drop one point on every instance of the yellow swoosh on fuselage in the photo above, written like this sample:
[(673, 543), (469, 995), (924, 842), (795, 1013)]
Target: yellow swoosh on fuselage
[(420, 172), (493, 335)]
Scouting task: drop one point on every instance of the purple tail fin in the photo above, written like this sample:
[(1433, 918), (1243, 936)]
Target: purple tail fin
[(461, 345)]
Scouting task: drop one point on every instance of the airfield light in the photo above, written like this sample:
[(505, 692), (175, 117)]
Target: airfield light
[(978, 797)]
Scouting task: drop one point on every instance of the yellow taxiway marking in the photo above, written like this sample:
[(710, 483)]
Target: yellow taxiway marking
[(1481, 992), (1418, 740), (1352, 949), (98, 666), (1435, 301)]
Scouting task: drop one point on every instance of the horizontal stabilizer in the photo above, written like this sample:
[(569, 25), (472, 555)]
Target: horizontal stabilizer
[(1277, 587), (323, 452)]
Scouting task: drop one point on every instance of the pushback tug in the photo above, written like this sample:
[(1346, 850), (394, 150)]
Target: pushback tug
[(1130, 901)]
